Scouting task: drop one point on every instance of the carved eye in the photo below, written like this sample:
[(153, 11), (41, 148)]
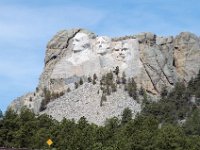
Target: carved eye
[(116, 49), (76, 40), (87, 45), (124, 49)]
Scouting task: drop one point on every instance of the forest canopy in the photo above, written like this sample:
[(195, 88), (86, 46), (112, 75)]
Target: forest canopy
[(172, 123)]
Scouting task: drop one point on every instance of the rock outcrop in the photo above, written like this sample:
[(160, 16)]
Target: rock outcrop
[(85, 101), (154, 62)]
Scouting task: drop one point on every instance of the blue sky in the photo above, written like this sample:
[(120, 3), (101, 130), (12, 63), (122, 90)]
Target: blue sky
[(27, 25)]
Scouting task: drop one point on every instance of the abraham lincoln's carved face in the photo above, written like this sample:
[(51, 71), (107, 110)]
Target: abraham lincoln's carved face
[(121, 50)]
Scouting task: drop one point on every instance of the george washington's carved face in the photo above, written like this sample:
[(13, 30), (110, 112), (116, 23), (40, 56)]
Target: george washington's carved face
[(102, 45), (80, 42)]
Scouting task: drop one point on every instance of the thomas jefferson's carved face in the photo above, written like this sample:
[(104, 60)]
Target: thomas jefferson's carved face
[(102, 44), (80, 42)]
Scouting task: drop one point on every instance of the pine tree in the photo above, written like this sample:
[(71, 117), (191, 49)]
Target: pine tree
[(103, 99), (108, 90), (126, 116), (191, 85), (54, 95), (118, 81), (47, 95), (117, 71), (125, 87), (141, 92), (145, 99), (192, 124), (94, 82), (114, 87), (1, 114), (68, 90), (81, 81), (37, 89), (30, 99), (89, 79), (103, 80), (61, 94), (132, 88), (198, 76), (43, 105), (123, 78), (95, 77), (109, 78), (135, 96), (76, 85), (164, 92)]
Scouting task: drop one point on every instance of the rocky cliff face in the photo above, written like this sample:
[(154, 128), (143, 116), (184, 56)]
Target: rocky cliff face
[(154, 62)]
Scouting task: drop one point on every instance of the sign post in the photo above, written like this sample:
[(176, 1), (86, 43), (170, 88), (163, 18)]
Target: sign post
[(49, 142)]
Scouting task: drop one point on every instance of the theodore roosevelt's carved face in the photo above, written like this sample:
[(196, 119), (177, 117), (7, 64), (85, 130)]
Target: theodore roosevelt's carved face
[(102, 45), (80, 42)]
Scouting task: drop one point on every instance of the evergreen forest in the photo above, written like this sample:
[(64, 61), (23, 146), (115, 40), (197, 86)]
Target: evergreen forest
[(172, 123)]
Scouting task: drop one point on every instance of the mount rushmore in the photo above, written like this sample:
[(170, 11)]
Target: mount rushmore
[(153, 62)]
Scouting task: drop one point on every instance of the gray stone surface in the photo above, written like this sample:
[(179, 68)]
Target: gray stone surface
[(186, 55), (85, 101)]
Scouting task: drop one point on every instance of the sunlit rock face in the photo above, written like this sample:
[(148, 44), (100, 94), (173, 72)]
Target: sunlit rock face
[(154, 62), (102, 45), (80, 42), (126, 55), (186, 55), (97, 56), (103, 49), (81, 62)]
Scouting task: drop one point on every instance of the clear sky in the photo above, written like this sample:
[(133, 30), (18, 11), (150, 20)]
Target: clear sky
[(27, 25)]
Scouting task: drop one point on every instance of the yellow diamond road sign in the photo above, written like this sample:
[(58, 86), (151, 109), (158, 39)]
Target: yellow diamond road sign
[(49, 142)]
